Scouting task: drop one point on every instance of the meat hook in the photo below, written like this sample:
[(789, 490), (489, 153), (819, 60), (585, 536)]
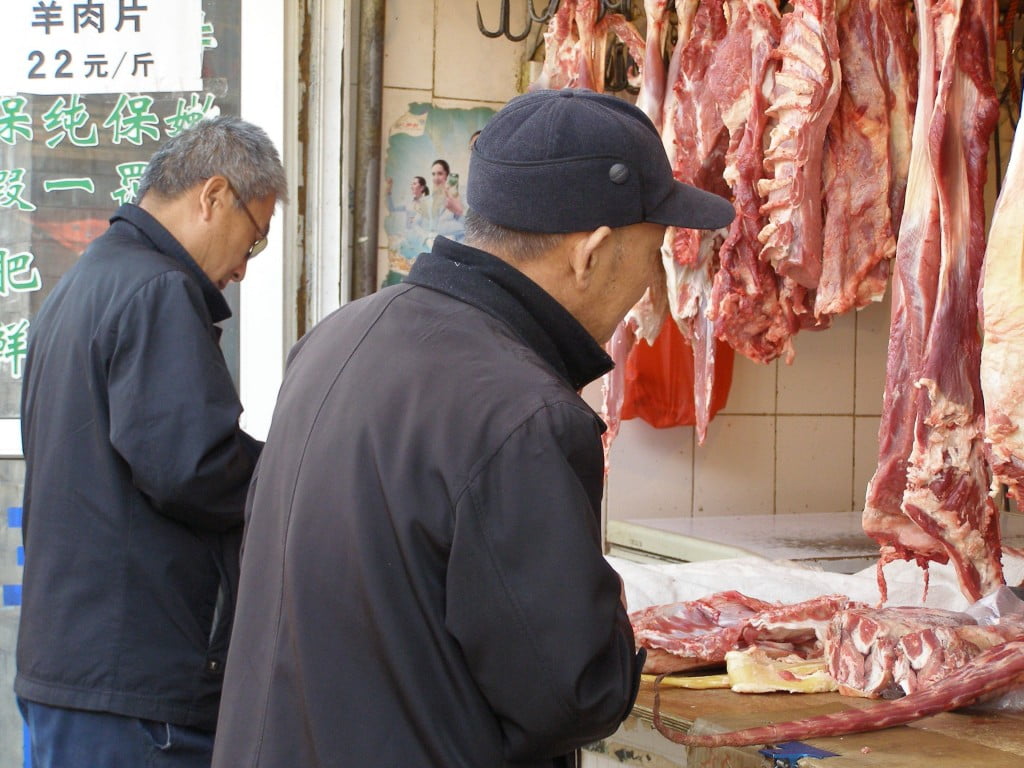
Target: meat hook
[(545, 17), (616, 68), (625, 7), (503, 24)]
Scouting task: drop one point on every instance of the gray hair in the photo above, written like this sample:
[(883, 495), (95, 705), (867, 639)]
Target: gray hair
[(226, 146), (512, 244)]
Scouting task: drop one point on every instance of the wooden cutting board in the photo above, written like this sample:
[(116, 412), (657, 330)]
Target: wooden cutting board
[(949, 740)]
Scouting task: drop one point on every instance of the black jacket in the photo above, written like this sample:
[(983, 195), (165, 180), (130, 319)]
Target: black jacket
[(136, 474), (422, 576)]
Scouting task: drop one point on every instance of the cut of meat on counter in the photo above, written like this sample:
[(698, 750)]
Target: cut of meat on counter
[(891, 652), (928, 499), (991, 673), (698, 634), (923, 660)]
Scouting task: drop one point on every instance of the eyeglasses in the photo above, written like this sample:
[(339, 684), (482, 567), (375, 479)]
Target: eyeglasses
[(260, 244)]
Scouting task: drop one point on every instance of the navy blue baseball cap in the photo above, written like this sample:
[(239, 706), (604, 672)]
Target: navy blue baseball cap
[(572, 160)]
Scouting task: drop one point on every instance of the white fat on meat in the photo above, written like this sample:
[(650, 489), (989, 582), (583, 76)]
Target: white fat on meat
[(1002, 354)]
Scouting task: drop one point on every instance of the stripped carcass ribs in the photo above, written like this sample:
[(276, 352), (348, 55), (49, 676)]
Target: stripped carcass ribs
[(699, 633), (746, 306), (891, 652), (806, 92)]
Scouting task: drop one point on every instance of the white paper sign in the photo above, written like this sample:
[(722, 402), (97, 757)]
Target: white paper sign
[(100, 46)]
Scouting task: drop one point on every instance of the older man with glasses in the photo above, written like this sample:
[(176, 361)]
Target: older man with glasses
[(136, 467)]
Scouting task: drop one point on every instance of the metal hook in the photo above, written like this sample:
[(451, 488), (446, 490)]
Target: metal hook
[(545, 17), (503, 26), (616, 68), (615, 6)]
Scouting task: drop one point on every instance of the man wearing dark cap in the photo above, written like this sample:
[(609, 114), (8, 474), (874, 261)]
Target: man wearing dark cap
[(422, 579)]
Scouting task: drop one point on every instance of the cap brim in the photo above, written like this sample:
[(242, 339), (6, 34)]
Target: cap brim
[(693, 208)]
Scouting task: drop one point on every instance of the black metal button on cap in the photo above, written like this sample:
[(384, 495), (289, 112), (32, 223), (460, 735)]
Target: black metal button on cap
[(618, 173)]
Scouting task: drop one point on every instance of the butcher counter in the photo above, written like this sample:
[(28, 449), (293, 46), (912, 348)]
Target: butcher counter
[(948, 740)]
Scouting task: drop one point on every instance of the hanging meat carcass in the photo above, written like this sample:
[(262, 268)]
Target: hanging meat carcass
[(867, 153), (1002, 353), (745, 306), (928, 499), (804, 98), (575, 41)]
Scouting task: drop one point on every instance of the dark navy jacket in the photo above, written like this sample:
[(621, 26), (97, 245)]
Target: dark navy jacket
[(136, 475), (422, 578)]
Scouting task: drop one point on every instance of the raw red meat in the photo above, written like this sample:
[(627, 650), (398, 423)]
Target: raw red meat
[(699, 633), (929, 497), (867, 153), (746, 305), (890, 652), (804, 97)]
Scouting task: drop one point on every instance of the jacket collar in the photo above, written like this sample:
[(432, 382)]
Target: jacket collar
[(165, 242), (478, 278)]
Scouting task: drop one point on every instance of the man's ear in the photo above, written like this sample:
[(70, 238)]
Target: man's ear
[(211, 193), (585, 256)]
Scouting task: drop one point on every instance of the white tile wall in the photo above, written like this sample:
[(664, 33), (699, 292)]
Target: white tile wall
[(824, 356), (791, 438), (814, 464), (409, 45), (796, 438)]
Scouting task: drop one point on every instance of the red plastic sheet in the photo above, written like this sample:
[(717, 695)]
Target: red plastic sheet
[(660, 380)]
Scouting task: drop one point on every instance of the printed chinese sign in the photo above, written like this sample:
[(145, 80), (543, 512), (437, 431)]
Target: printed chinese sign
[(424, 185), (100, 46), (68, 159)]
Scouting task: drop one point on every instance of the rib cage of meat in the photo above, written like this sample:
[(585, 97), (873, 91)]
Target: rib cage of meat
[(746, 306), (928, 498), (804, 98), (927, 660), (890, 652), (698, 633)]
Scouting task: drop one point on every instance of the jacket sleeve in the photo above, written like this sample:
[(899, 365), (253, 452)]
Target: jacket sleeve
[(533, 603), (174, 409)]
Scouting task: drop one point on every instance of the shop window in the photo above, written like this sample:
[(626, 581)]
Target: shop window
[(72, 149)]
